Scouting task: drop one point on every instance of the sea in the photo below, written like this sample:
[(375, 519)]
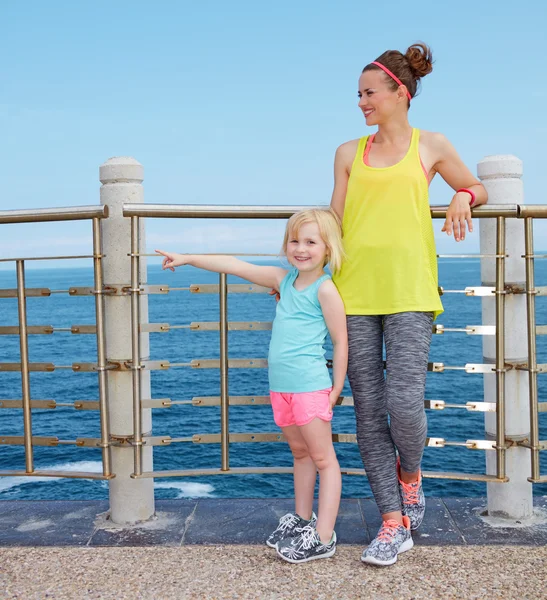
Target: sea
[(183, 345)]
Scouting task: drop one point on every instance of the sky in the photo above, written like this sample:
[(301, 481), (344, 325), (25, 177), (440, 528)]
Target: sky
[(245, 102)]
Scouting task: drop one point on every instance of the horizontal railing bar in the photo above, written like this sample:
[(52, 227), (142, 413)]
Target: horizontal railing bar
[(471, 291), (289, 470), (234, 363), (232, 326), (19, 440), (31, 330), (84, 367), (156, 402), (468, 255), (272, 255), (83, 329), (468, 329), (42, 404), (262, 363), (233, 400), (481, 212), (206, 401), (233, 288), (217, 254), (249, 288), (463, 476), (438, 329), (27, 258), (44, 367), (65, 474), (199, 211), (342, 438), (29, 293), (209, 471), (537, 211), (67, 213)]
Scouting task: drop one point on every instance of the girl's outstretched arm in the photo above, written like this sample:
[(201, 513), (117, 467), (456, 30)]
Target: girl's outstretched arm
[(261, 275), (335, 318)]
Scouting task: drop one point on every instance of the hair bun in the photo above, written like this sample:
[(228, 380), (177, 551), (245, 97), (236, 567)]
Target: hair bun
[(420, 59)]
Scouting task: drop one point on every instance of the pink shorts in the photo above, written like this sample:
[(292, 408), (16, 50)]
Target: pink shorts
[(300, 408)]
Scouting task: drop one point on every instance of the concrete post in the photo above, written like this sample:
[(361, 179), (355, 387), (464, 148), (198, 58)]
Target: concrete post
[(131, 500), (501, 175)]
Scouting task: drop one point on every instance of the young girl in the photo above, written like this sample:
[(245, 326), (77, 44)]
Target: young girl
[(389, 282), (301, 391)]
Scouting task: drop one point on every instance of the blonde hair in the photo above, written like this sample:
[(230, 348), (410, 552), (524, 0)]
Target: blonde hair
[(330, 230)]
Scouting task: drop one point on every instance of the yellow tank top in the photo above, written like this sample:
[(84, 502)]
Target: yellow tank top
[(391, 260)]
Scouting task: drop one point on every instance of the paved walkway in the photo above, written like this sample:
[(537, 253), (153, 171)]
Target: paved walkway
[(448, 521), (254, 573), (211, 549)]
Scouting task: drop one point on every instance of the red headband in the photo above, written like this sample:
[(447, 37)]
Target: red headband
[(394, 77)]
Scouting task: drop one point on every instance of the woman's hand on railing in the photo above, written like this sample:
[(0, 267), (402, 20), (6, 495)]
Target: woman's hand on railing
[(457, 215), (172, 259)]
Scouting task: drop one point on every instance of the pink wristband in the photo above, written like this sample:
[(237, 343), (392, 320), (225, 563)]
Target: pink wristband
[(472, 194)]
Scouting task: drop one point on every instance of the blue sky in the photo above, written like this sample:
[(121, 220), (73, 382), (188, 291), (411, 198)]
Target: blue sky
[(245, 102)]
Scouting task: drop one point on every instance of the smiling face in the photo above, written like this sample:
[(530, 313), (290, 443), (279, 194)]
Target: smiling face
[(377, 99), (306, 249)]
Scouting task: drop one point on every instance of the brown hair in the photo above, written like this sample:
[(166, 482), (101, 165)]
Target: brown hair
[(409, 67)]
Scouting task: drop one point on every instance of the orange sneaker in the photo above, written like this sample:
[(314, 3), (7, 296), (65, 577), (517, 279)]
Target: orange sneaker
[(392, 539), (412, 498)]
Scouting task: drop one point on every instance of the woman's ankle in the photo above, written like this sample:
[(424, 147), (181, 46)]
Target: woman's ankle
[(393, 516)]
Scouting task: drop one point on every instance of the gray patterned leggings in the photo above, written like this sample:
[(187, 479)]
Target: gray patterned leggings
[(400, 394)]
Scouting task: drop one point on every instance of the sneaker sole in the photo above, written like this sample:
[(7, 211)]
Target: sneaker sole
[(303, 560), (270, 545), (370, 560)]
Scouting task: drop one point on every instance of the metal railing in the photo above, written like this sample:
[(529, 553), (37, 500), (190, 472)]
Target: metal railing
[(137, 211), (75, 213)]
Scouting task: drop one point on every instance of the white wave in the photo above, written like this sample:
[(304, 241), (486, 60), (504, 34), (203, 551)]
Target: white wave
[(90, 466), (187, 489)]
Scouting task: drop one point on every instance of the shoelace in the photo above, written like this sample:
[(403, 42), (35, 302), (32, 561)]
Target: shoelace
[(287, 521), (388, 531), (410, 492), (307, 537)]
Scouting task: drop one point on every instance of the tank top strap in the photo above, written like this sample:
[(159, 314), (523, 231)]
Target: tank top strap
[(415, 153), (319, 282), (415, 145), (359, 155), (288, 280)]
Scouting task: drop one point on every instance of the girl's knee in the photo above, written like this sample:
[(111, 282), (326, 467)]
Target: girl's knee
[(300, 451), (324, 460)]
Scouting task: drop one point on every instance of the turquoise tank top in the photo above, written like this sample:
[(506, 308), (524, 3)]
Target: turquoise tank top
[(296, 360)]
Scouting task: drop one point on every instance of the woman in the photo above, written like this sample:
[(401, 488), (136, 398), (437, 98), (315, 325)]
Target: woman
[(389, 282)]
